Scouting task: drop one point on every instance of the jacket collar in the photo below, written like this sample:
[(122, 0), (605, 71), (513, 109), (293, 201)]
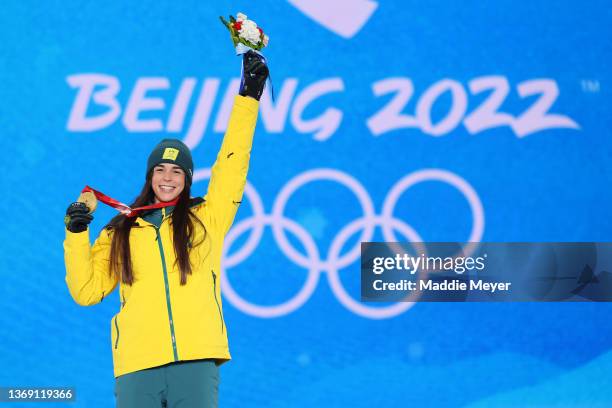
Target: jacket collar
[(149, 217)]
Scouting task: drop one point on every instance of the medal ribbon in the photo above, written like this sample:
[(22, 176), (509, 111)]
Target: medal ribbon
[(123, 208)]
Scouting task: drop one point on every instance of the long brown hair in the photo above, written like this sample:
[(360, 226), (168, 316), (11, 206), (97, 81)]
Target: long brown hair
[(183, 232)]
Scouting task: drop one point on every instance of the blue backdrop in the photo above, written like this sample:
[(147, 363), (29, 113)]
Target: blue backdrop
[(440, 121)]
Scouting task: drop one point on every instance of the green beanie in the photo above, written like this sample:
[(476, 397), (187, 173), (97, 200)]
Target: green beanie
[(172, 151)]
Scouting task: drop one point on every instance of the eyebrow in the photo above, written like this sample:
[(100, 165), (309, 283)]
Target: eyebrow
[(173, 167)]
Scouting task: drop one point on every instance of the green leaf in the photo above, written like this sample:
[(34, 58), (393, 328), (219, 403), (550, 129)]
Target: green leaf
[(257, 47), (225, 22)]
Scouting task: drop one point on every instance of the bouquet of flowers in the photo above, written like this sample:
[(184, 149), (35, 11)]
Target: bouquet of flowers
[(245, 32)]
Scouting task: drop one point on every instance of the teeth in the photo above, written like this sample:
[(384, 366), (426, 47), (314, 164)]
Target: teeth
[(166, 188)]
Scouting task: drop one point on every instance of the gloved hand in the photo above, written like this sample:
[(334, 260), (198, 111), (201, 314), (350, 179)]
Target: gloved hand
[(77, 217), (254, 75)]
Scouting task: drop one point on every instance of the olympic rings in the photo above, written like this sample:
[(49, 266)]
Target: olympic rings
[(334, 261)]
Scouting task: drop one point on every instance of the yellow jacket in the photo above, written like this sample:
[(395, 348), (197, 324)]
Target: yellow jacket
[(161, 321)]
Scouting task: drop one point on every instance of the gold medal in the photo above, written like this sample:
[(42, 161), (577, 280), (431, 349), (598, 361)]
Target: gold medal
[(90, 200)]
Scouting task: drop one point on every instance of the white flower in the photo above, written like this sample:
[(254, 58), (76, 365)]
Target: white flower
[(265, 40), (251, 36), (250, 32), (241, 17), (249, 24)]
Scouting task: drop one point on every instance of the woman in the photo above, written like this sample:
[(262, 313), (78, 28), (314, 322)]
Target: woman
[(169, 337)]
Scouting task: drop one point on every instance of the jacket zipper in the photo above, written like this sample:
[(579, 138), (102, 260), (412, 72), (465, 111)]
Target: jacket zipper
[(216, 301), (163, 260), (117, 329)]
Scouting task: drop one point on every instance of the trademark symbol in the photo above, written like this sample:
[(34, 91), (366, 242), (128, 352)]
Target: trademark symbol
[(590, 85)]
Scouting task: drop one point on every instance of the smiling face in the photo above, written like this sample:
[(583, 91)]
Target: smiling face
[(167, 182)]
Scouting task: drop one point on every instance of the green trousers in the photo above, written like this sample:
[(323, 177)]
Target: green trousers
[(184, 384)]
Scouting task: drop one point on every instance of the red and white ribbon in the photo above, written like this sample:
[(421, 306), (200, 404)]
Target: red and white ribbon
[(124, 208)]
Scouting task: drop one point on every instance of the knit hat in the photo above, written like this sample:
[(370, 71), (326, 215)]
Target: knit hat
[(172, 151)]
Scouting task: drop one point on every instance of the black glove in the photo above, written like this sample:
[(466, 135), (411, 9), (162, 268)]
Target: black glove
[(77, 217), (254, 75)]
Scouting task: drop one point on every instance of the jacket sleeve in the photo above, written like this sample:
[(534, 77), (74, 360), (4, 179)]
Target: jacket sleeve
[(87, 268), (229, 173)]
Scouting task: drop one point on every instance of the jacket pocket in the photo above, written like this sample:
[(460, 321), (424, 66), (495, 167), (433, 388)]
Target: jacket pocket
[(217, 301), (116, 333)]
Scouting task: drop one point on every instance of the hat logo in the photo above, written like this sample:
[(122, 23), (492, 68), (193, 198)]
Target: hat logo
[(170, 153)]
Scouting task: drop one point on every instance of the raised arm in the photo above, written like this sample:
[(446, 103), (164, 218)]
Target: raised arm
[(229, 173)]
